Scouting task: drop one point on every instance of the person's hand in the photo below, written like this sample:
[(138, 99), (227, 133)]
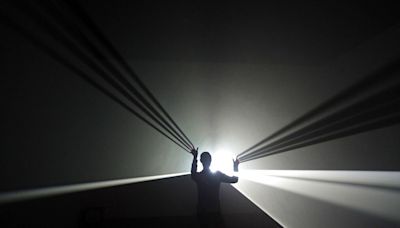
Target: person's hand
[(194, 152), (236, 165)]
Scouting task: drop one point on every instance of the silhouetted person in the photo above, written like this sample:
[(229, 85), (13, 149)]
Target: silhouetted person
[(208, 183)]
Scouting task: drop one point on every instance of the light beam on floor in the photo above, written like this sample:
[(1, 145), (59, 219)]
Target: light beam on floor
[(20, 195), (373, 192)]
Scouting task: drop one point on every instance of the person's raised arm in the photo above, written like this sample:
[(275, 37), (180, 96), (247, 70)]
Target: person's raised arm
[(232, 179), (194, 162), (236, 163), (235, 170)]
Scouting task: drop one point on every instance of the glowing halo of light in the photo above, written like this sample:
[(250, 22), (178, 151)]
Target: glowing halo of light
[(222, 160)]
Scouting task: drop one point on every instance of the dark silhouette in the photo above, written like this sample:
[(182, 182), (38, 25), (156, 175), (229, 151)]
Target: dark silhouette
[(208, 184)]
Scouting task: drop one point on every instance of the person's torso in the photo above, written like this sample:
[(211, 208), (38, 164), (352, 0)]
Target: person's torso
[(208, 186)]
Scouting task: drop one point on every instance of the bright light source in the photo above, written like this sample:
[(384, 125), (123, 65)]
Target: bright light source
[(222, 160)]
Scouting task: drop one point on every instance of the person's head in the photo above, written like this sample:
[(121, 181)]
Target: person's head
[(205, 159)]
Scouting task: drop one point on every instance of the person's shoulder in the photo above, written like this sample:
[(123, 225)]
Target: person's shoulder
[(221, 175), (201, 173)]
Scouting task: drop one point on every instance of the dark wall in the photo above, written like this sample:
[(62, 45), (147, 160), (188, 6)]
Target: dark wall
[(229, 74), (59, 130)]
